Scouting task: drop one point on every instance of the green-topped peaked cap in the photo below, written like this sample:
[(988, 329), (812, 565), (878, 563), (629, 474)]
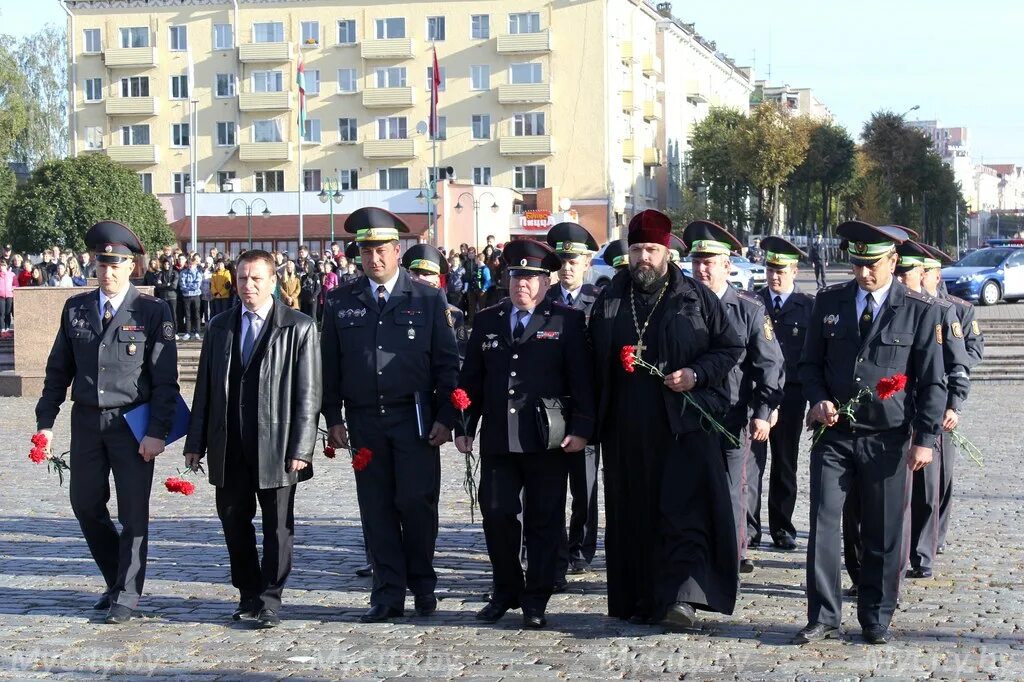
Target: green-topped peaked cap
[(425, 258), (780, 252), (867, 243), (912, 255), (372, 225), (571, 239), (705, 238), (617, 254)]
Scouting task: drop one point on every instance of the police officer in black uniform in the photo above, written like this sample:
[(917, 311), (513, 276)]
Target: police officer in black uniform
[(790, 311), (426, 264), (861, 331), (116, 347), (755, 383), (575, 247), (390, 359), (526, 355)]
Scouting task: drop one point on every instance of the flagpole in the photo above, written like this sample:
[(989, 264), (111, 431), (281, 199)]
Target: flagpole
[(301, 83), (433, 143), (193, 130)]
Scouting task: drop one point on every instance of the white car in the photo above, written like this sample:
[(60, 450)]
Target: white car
[(600, 273), (743, 275), (738, 277), (758, 277)]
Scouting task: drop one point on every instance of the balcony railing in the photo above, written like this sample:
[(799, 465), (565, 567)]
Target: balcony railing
[(134, 154), (389, 149), (652, 156), (628, 149), (652, 110), (651, 65), (265, 52), (389, 98), (695, 93), (627, 101), (264, 151), (525, 43), (127, 57), (529, 93), (626, 51), (131, 106), (526, 145), (387, 48), (265, 101)]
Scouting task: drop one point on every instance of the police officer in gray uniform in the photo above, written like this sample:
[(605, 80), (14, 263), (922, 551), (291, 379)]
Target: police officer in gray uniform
[(391, 361), (116, 348), (755, 383), (861, 331), (575, 247)]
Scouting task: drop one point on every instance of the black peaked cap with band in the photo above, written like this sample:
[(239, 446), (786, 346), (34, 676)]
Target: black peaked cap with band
[(780, 252), (616, 254), (705, 238), (113, 242), (937, 258), (866, 243), (372, 225), (676, 248), (912, 255), (527, 255), (425, 258), (352, 253), (571, 239)]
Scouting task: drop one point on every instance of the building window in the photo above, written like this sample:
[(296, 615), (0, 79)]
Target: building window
[(92, 40), (346, 31), (225, 177), (179, 87), (480, 27), (93, 89), (481, 124), (393, 178), (312, 131), (226, 133), (225, 86), (267, 81), (311, 33), (93, 137), (179, 38), (135, 86), (180, 183), (136, 134), (392, 77), (480, 77), (390, 28), (528, 124), (347, 80), (311, 180), (481, 175), (392, 128), (270, 181), (430, 78), (266, 131), (179, 135), (146, 182), (268, 32), (135, 36), (524, 22), (347, 130), (529, 177), (348, 178), (524, 74), (442, 128), (435, 28), (223, 37), (313, 82)]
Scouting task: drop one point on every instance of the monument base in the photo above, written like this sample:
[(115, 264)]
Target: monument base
[(14, 384)]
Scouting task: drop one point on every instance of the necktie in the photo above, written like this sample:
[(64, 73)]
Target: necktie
[(568, 300), (382, 296), (778, 305), (520, 328), (867, 317), (249, 340), (108, 313)]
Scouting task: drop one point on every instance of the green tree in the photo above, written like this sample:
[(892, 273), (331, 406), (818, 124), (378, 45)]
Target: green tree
[(713, 173), (13, 108), (64, 198), (8, 186), (42, 61)]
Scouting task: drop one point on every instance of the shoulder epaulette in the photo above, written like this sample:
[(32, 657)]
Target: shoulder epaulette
[(832, 287), (919, 296), (749, 297), (959, 301)]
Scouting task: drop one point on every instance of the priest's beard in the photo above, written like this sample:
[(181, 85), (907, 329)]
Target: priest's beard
[(648, 278)]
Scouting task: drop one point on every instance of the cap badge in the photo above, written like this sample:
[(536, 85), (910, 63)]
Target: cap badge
[(522, 262), (860, 247), (108, 248)]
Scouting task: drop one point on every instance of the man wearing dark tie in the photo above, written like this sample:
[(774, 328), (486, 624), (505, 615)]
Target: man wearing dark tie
[(254, 413)]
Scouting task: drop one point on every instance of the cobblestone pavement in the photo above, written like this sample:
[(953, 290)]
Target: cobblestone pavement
[(965, 624)]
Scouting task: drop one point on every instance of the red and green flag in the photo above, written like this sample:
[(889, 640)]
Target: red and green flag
[(300, 81)]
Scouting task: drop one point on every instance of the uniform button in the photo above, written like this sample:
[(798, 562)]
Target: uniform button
[(512, 410), (380, 372), (101, 390), (381, 322), (382, 397), (515, 357), (103, 345), (382, 410), (858, 378), (380, 347), (511, 391), (511, 374)]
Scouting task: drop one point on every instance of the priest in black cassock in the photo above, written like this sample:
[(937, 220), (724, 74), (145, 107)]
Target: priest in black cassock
[(670, 539)]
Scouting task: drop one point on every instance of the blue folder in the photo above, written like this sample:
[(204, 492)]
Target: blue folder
[(138, 421)]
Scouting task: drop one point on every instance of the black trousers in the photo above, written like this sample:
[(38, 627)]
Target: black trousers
[(309, 308), (398, 493), (236, 507), (871, 465), (6, 310), (101, 442), (784, 440), (190, 313), (819, 274), (541, 478), (736, 459), (580, 542), (219, 305), (924, 514), (945, 458)]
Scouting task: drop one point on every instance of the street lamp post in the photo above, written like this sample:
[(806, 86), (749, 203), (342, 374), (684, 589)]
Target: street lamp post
[(425, 193), (476, 211), (249, 206), (330, 198)]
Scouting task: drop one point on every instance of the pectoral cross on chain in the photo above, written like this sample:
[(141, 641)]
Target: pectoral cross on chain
[(640, 348)]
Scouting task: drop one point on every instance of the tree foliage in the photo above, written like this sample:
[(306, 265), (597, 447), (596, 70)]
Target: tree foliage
[(41, 60), (712, 171), (64, 198), (13, 107)]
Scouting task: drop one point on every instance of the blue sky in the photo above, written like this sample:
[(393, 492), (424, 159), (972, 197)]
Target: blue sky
[(960, 61)]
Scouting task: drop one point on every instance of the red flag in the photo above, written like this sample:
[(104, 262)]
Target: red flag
[(435, 83)]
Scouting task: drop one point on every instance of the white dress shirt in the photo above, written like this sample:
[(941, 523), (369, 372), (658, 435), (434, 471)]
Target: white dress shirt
[(879, 297), (261, 317), (115, 302), (388, 287)]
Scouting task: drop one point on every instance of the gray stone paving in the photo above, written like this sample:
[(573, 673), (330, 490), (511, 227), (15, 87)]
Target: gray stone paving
[(965, 624)]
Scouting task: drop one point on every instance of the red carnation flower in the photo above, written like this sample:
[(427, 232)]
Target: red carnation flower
[(628, 358), (37, 454), (361, 459), (329, 452), (39, 440), (460, 399), (179, 485), (887, 387)]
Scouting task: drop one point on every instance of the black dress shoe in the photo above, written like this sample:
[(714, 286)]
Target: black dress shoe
[(640, 619), (815, 632), (425, 604), (103, 603), (876, 634), (561, 585), (491, 613), (784, 541), (680, 615), (119, 614), (746, 566), (379, 613), (919, 573), (579, 566), (247, 609), (850, 591), (267, 619), (365, 571), (534, 618)]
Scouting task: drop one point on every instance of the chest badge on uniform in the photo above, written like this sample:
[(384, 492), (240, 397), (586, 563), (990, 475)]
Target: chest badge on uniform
[(769, 332), (975, 327), (132, 349), (167, 331), (938, 334), (796, 331), (411, 333), (957, 330), (832, 319), (548, 335)]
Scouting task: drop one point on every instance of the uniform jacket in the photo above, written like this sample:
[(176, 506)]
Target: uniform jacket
[(790, 326), (755, 383), (506, 379), (289, 395), (375, 359), (837, 363), (694, 333), (954, 356), (584, 301), (974, 340), (133, 361)]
